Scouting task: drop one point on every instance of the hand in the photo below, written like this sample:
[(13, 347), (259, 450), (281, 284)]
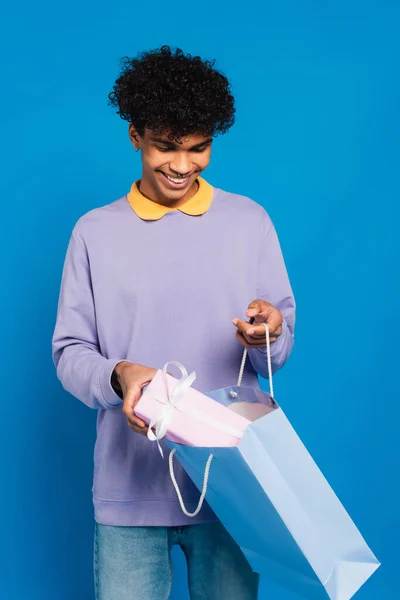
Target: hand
[(252, 335), (131, 379)]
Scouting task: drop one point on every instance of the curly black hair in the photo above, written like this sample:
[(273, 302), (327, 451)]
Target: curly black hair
[(165, 90)]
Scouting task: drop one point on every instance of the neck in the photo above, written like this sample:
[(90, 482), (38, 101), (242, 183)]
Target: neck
[(148, 190)]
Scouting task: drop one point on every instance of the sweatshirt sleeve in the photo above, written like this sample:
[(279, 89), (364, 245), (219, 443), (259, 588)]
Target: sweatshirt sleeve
[(81, 368), (273, 285)]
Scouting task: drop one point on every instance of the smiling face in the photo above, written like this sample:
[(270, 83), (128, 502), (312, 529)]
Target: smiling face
[(169, 168)]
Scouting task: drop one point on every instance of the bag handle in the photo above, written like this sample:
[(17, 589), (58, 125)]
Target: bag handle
[(176, 486), (268, 344)]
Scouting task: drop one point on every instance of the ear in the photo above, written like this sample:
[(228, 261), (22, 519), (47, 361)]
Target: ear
[(134, 136)]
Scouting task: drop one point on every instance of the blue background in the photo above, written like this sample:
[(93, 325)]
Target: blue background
[(316, 142)]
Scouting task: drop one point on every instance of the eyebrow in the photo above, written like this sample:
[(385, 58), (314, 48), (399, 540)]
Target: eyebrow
[(172, 145)]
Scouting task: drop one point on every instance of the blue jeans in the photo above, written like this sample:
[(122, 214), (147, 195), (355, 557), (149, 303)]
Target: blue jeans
[(134, 563)]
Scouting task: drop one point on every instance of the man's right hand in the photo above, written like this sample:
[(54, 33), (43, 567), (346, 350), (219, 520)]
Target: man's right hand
[(131, 378)]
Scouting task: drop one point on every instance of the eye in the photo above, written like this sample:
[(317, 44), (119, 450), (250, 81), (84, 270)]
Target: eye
[(199, 149), (163, 149)]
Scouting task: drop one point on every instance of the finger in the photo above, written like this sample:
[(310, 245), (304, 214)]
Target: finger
[(137, 422), (256, 342), (243, 340), (261, 317), (274, 320), (253, 309), (143, 383), (136, 429), (251, 342), (259, 309), (131, 399), (242, 325), (250, 330), (248, 344), (256, 307), (259, 331)]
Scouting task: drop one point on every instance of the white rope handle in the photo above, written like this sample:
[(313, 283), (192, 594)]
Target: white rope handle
[(176, 486), (271, 385)]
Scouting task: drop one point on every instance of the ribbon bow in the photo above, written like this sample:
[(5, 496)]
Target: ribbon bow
[(162, 420)]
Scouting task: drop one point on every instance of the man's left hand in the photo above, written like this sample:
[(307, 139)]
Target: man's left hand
[(252, 335)]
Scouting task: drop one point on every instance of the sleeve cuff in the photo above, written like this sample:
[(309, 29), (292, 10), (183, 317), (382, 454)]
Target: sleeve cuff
[(109, 396)]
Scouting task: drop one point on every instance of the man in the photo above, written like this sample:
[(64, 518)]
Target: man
[(166, 272)]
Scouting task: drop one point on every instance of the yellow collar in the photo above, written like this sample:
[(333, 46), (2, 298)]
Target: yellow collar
[(151, 211)]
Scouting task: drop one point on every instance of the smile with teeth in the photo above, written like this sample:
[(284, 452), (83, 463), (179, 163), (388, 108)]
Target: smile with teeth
[(175, 179)]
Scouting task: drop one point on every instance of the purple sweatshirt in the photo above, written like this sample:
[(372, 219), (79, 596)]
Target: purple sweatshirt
[(154, 291)]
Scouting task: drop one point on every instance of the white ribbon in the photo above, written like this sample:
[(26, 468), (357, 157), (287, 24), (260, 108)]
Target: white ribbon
[(162, 420)]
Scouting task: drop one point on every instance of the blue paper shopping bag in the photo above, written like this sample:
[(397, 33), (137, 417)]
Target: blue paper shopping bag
[(274, 501)]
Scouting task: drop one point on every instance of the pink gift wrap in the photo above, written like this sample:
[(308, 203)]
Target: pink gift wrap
[(190, 429)]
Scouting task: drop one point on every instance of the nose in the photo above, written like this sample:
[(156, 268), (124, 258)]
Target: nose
[(180, 164)]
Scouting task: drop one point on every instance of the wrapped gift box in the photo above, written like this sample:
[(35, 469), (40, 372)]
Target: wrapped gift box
[(185, 415)]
